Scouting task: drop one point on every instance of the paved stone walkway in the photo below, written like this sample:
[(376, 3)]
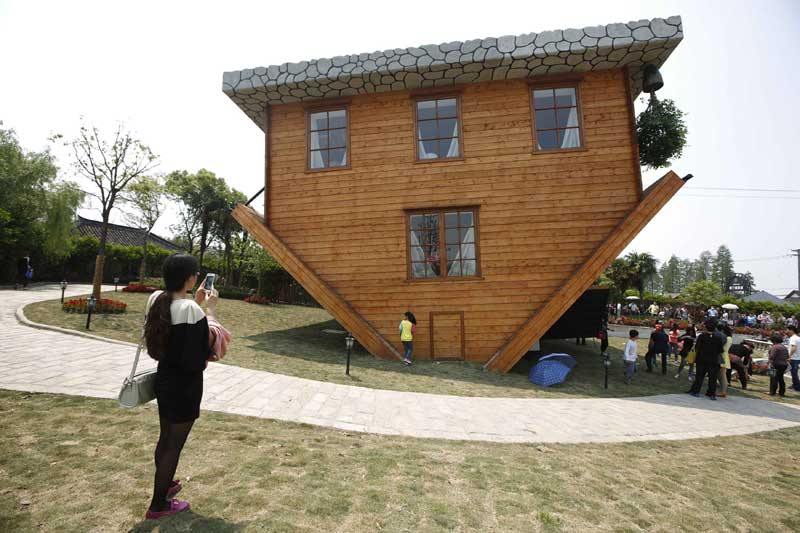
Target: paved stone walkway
[(39, 360)]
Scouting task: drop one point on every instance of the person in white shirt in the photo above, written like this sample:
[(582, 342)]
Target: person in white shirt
[(794, 357), (630, 355)]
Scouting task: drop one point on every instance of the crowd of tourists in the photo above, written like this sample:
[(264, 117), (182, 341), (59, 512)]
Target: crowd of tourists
[(732, 317), (709, 353)]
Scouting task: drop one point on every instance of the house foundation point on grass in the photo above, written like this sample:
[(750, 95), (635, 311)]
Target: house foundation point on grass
[(483, 185)]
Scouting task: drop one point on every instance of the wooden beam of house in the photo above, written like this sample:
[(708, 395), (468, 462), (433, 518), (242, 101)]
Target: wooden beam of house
[(653, 199), (323, 293)]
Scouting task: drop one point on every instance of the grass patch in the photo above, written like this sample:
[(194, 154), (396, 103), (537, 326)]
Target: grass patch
[(76, 464), (288, 339)]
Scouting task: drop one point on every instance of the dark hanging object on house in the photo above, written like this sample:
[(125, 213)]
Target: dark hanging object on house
[(652, 79)]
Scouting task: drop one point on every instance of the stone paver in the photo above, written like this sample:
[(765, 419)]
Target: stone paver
[(38, 360)]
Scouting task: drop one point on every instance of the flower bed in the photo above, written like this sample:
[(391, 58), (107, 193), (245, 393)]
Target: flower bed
[(139, 288), (257, 300), (103, 306), (649, 322)]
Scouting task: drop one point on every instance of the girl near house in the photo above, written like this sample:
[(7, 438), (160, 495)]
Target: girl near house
[(408, 326), (182, 338)]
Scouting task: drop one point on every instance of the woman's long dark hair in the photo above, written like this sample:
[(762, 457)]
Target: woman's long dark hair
[(410, 317), (177, 269)]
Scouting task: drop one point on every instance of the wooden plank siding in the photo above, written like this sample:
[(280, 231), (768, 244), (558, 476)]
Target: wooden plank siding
[(321, 291), (656, 196), (541, 214)]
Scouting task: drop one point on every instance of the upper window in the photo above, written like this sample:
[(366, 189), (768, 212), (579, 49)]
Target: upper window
[(327, 139), (556, 118), (457, 257), (438, 128)]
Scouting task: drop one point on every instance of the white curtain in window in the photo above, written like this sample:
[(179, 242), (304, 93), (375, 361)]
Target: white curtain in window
[(316, 160), (468, 269), (572, 135), (425, 155), (453, 150), (418, 258)]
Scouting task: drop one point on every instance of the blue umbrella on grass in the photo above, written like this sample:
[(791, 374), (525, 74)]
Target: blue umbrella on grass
[(552, 369)]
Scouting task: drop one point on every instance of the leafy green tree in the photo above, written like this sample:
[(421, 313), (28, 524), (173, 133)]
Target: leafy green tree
[(722, 268), (37, 212), (702, 266), (110, 165), (200, 195), (619, 276), (225, 226), (61, 206), (671, 275), (641, 266), (147, 198), (702, 293)]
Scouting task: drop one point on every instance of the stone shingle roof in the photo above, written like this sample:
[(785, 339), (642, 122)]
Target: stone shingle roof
[(123, 235), (510, 57)]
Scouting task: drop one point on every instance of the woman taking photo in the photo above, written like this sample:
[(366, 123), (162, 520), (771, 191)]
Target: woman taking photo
[(177, 336)]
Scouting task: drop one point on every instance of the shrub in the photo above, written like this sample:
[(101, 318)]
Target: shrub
[(234, 293), (103, 306), (257, 300), (140, 288)]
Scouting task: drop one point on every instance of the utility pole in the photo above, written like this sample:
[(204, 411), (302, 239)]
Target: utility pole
[(797, 254)]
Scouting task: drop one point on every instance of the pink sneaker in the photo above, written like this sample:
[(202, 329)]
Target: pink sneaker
[(175, 507), (174, 488)]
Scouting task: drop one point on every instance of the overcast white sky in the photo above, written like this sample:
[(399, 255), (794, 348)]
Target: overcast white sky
[(158, 67)]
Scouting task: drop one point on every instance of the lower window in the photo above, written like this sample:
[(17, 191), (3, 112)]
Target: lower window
[(443, 243)]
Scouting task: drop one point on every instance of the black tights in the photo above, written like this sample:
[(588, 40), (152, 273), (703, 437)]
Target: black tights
[(168, 452)]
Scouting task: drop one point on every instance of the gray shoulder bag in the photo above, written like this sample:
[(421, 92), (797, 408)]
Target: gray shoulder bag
[(138, 388)]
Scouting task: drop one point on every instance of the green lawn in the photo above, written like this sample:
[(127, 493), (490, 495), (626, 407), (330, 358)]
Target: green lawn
[(76, 464), (289, 340)]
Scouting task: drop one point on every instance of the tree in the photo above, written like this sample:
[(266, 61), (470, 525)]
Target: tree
[(671, 275), (147, 198), (702, 266), (110, 165), (200, 194), (37, 211), (224, 227), (619, 275), (722, 268), (60, 209), (642, 266), (702, 293)]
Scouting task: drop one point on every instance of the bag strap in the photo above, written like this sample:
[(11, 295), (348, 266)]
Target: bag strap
[(136, 359), (139, 348)]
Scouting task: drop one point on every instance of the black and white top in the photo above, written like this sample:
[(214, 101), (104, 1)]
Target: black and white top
[(188, 349)]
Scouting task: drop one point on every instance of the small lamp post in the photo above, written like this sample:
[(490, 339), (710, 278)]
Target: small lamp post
[(606, 366), (116, 282), (63, 288), (92, 302), (349, 343)]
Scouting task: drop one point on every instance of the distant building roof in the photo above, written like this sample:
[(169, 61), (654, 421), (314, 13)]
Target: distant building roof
[(530, 55), (124, 235), (793, 296), (764, 296)]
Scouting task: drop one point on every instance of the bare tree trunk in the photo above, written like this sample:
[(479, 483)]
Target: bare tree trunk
[(203, 236), (143, 266), (228, 263), (100, 260)]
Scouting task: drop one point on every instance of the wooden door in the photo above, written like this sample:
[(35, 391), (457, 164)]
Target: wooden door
[(447, 335)]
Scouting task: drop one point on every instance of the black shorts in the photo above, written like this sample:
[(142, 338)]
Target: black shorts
[(179, 396)]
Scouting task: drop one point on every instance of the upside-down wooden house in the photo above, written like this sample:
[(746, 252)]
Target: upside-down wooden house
[(483, 185)]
